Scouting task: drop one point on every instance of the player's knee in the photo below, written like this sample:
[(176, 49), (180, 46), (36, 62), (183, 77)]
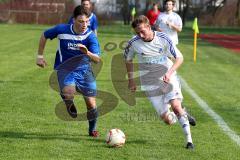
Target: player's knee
[(177, 107), (90, 102), (68, 93), (178, 111), (68, 96)]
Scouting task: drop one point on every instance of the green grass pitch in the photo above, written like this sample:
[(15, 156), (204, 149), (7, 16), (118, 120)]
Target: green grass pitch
[(31, 130)]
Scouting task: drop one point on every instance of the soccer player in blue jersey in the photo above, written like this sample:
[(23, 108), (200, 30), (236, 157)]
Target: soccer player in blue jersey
[(153, 50), (93, 23), (77, 47)]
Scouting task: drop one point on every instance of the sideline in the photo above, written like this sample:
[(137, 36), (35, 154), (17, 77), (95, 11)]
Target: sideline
[(218, 119)]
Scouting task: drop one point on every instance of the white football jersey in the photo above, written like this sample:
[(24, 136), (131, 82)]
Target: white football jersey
[(156, 51), (173, 18)]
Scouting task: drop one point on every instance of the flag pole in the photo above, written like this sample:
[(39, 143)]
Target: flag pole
[(196, 31), (195, 47)]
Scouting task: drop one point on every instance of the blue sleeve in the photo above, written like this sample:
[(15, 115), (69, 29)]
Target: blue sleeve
[(93, 45), (94, 24), (52, 32), (70, 21)]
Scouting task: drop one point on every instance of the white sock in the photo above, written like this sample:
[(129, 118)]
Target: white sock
[(183, 121)]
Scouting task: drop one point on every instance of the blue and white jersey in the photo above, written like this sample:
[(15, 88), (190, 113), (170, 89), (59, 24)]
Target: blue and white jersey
[(157, 51), (68, 44), (93, 23)]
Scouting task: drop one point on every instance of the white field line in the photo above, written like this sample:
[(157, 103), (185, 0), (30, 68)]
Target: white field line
[(218, 119)]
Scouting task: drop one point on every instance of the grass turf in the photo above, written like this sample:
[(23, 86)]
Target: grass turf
[(30, 129)]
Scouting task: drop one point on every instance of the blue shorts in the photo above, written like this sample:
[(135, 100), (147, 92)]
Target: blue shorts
[(83, 80)]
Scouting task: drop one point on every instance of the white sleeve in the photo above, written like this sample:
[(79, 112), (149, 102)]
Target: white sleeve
[(172, 50), (178, 53), (178, 21), (157, 22), (129, 52)]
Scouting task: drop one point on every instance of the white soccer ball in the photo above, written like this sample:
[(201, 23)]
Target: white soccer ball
[(115, 138)]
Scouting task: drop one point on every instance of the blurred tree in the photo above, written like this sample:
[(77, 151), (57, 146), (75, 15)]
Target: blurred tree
[(148, 3), (184, 11), (238, 12), (137, 7), (125, 10), (180, 6)]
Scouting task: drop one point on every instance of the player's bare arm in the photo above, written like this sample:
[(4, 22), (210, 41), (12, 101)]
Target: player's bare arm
[(40, 61), (175, 66), (130, 69), (174, 27), (84, 50), (157, 28)]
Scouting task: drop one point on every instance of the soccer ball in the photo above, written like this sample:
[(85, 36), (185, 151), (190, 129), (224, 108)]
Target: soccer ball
[(115, 138)]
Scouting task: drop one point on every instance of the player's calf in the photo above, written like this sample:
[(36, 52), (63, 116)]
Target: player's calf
[(70, 106), (68, 96), (169, 118), (183, 121)]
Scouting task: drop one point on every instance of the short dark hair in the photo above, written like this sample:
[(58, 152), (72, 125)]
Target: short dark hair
[(154, 4), (173, 1), (139, 20), (85, 0), (80, 10)]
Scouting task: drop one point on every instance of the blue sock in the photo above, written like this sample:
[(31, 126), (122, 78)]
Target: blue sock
[(92, 119)]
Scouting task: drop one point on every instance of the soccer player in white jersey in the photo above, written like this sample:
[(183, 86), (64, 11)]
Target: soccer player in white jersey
[(77, 47), (153, 49), (169, 22)]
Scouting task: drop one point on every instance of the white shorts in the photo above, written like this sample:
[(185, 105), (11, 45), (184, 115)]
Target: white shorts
[(161, 102)]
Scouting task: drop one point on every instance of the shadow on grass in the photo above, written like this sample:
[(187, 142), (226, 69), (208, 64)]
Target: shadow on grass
[(40, 136), (138, 141), (97, 142)]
